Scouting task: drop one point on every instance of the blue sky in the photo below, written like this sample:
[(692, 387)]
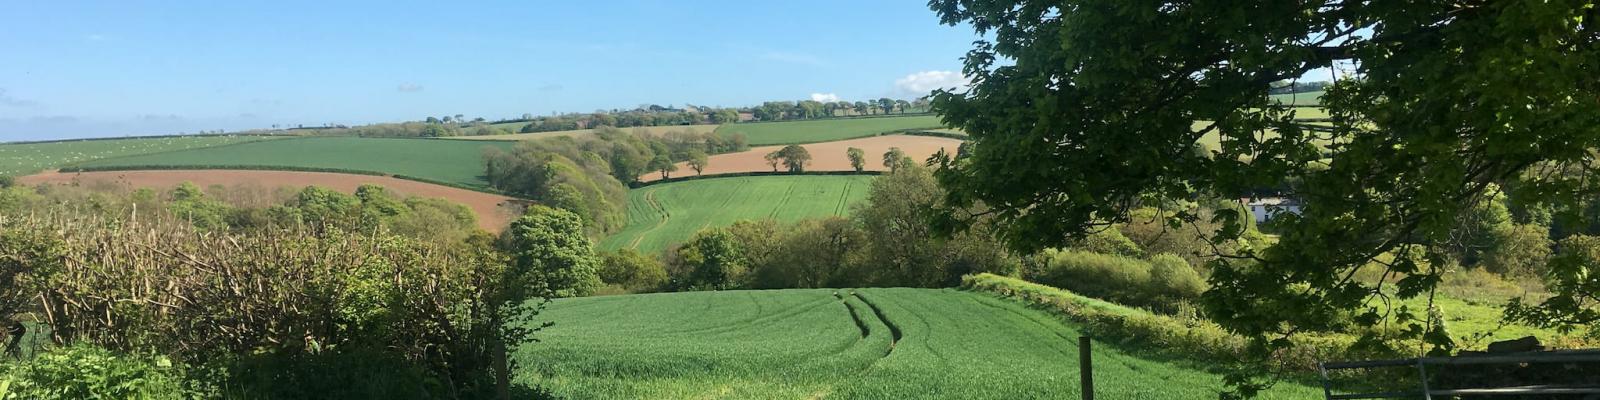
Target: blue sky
[(89, 69)]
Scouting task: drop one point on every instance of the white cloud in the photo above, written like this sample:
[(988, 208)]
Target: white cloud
[(95, 37), (922, 83), (409, 88), (825, 97)]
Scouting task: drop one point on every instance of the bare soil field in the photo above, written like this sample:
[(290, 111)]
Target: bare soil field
[(827, 156), (494, 211)]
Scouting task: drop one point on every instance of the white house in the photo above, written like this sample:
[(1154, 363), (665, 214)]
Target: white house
[(1263, 209)]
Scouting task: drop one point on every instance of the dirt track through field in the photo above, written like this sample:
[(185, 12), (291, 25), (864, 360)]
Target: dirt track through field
[(826, 156), (494, 211)]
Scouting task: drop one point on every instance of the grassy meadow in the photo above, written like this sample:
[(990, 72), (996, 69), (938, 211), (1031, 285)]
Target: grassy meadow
[(577, 133), (844, 343), (445, 161), (27, 158), (660, 215), (826, 130)]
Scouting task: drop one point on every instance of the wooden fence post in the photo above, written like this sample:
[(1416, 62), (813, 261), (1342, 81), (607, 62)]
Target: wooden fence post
[(1085, 368)]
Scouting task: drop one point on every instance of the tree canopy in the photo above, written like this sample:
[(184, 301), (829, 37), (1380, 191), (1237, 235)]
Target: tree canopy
[(1081, 111)]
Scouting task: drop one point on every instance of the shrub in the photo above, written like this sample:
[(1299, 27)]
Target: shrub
[(89, 372), (632, 271), (7, 181), (1164, 283), (1168, 337)]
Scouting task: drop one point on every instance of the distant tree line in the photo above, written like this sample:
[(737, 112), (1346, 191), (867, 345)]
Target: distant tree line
[(1286, 87), (643, 116)]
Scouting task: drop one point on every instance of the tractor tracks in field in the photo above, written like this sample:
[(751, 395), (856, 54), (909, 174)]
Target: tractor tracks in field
[(650, 199), (894, 329)]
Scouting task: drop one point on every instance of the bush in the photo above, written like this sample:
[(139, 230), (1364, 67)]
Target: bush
[(1165, 283), (7, 181), (89, 372), (632, 271), (1168, 337)]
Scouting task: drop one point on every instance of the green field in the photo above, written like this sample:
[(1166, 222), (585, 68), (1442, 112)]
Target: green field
[(796, 344), (652, 130), (660, 215), (1302, 99), (439, 160), (827, 130), (27, 158)]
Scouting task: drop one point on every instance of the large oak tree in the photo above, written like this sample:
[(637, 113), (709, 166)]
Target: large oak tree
[(1081, 110)]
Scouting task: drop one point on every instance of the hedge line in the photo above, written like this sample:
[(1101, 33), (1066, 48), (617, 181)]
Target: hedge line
[(636, 185), (233, 167), (936, 134), (1157, 335)]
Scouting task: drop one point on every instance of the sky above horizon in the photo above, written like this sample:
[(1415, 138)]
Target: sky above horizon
[(107, 69)]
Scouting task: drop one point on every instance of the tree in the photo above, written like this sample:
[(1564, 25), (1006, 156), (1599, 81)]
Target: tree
[(887, 104), (795, 157), (1571, 278), (1096, 107), (698, 161), (664, 165), (632, 271), (858, 158), (894, 158), (712, 260), (725, 116), (902, 105), (550, 255), (773, 159)]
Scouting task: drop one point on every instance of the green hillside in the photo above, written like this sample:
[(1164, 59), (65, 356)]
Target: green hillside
[(26, 158), (796, 344), (826, 130), (458, 162), (660, 215)]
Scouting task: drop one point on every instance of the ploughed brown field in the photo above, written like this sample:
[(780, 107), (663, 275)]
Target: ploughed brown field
[(827, 156), (494, 211)]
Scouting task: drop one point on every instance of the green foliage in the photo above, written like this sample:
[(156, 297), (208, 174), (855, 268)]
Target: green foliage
[(1165, 283), (827, 130), (7, 181), (190, 203), (858, 158), (711, 260), (1519, 250), (1109, 241), (698, 161), (550, 256), (861, 343), (87, 372), (795, 158), (904, 249), (1572, 278), (1097, 106), (632, 271), (663, 214), (895, 158), (457, 162)]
